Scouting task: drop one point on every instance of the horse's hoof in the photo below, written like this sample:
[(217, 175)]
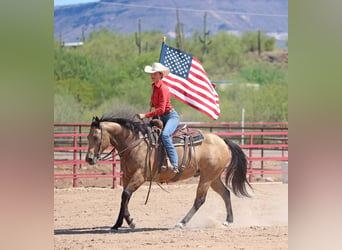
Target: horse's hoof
[(113, 230), (179, 226), (132, 225), (226, 224)]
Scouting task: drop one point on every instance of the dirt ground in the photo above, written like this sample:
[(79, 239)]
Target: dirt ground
[(83, 217)]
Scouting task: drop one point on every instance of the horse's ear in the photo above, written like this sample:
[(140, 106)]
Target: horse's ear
[(95, 122)]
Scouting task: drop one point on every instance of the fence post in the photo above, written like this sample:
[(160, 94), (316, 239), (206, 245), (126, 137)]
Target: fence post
[(262, 152), (80, 144), (282, 141), (74, 168), (250, 161)]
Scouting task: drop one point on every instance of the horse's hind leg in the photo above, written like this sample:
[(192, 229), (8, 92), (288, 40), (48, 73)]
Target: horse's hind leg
[(201, 195), (223, 191)]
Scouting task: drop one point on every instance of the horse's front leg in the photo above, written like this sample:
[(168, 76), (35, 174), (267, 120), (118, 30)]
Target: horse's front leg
[(135, 182), (125, 197), (127, 216)]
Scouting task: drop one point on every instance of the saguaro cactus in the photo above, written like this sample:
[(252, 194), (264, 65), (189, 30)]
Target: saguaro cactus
[(138, 36), (179, 33), (205, 40), (60, 39), (83, 35), (259, 42)]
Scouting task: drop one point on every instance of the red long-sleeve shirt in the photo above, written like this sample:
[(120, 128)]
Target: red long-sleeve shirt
[(160, 99)]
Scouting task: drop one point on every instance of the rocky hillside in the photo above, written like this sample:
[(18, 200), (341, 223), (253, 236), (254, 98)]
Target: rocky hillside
[(122, 16)]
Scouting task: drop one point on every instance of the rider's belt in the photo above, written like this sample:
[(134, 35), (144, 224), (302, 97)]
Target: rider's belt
[(169, 111)]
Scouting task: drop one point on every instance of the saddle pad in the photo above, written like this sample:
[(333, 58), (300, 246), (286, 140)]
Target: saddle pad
[(195, 136)]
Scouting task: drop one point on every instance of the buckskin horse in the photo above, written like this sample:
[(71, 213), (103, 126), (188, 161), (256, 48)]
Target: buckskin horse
[(138, 162)]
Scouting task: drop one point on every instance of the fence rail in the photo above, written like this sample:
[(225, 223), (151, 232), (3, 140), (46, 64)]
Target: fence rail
[(261, 142)]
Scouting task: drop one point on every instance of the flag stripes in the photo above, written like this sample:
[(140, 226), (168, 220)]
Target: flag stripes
[(188, 81)]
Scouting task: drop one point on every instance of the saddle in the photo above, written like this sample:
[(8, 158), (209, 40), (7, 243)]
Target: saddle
[(183, 136)]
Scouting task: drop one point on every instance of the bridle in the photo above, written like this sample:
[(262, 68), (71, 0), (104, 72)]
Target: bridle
[(131, 145)]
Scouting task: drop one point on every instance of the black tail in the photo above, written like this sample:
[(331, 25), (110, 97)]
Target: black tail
[(237, 170)]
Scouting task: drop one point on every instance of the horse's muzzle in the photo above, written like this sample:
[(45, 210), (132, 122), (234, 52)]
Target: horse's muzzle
[(92, 160)]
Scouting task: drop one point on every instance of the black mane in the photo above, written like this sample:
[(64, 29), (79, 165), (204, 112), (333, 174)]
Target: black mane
[(134, 126)]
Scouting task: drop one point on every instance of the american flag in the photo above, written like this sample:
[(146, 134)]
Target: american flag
[(188, 81)]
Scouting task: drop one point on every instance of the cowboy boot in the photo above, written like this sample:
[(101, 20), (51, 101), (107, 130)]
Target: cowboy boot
[(166, 164)]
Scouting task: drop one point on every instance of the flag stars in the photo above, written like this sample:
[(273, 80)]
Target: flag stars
[(178, 62)]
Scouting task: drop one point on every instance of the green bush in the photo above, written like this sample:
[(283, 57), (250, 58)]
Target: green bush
[(262, 103), (263, 74), (67, 107), (249, 41)]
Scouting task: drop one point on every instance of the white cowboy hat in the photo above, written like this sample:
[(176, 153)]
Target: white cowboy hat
[(157, 67)]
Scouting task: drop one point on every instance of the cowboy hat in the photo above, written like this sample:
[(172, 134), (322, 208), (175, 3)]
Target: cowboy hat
[(157, 67)]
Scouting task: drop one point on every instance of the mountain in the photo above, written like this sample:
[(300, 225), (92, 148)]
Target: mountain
[(122, 16)]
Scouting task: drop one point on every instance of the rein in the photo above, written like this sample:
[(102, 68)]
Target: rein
[(107, 156), (131, 145)]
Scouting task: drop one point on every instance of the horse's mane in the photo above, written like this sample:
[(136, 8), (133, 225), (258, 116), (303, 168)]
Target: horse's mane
[(134, 126)]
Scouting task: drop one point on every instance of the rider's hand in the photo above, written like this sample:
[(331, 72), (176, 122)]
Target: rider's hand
[(141, 116)]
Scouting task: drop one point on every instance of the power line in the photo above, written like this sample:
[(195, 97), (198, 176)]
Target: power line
[(196, 10)]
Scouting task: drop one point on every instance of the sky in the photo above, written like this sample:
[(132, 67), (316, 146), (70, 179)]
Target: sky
[(68, 2)]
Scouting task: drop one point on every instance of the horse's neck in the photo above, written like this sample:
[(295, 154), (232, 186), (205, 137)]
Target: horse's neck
[(120, 136)]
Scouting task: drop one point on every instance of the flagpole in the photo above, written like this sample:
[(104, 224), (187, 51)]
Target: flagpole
[(161, 49)]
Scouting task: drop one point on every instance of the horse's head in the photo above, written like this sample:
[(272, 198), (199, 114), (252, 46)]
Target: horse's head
[(98, 141)]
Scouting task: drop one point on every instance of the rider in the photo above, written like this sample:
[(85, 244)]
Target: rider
[(160, 101)]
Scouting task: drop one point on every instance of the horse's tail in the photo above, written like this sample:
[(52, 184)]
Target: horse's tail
[(236, 171)]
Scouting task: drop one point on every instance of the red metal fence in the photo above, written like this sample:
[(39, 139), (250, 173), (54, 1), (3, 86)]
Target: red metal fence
[(262, 143)]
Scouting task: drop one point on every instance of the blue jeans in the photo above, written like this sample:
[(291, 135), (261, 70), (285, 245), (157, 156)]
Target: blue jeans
[(170, 121)]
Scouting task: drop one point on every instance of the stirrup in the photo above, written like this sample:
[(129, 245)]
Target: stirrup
[(167, 165), (174, 169), (163, 168)]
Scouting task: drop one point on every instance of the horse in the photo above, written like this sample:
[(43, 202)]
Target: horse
[(138, 162)]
